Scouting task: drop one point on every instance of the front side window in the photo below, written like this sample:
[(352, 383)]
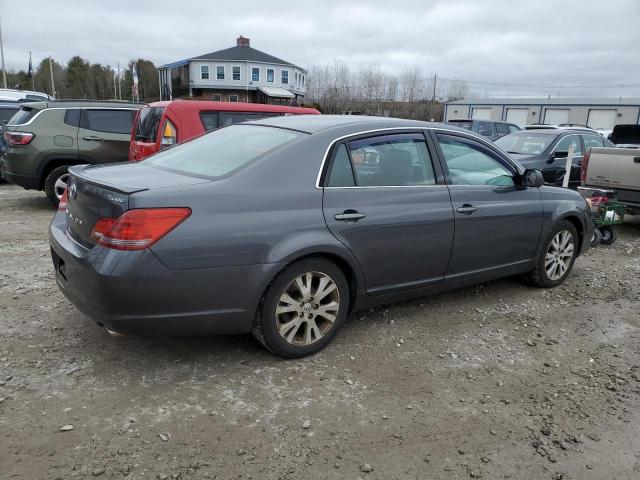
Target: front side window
[(204, 72), (109, 121), (563, 145), (270, 74), (387, 160), (593, 141), (236, 73), (255, 74), (234, 147), (526, 143), (470, 163), (220, 72), (285, 76)]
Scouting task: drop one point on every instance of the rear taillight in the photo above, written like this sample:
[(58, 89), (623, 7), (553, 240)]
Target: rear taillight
[(583, 166), (18, 138), (169, 135), (64, 201), (139, 228)]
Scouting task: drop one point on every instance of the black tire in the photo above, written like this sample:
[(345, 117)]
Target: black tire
[(539, 276), (50, 183), (609, 235), (265, 326)]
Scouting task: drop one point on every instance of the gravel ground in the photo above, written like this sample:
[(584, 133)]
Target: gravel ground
[(500, 380)]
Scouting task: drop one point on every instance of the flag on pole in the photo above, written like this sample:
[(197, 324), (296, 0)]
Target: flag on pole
[(30, 71), (134, 86)]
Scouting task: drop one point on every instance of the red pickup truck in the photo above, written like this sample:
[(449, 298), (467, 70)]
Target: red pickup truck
[(162, 124)]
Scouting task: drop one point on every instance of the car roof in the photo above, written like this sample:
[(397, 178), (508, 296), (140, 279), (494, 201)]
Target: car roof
[(318, 123), (453, 120), (81, 103), (558, 128), (203, 105)]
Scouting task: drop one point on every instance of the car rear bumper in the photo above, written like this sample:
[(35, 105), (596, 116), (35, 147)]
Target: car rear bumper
[(133, 292), (28, 182)]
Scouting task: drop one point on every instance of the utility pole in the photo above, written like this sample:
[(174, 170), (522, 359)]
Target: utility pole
[(435, 82), (119, 83), (53, 85), (4, 71), (33, 87)]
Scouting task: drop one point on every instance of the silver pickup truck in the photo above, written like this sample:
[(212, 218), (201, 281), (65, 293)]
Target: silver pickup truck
[(615, 169)]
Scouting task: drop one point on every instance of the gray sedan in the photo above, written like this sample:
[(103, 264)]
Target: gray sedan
[(282, 226)]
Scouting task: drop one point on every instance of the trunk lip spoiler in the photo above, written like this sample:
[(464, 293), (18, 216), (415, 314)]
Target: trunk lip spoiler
[(80, 171)]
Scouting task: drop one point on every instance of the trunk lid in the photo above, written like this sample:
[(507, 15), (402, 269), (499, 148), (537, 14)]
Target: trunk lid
[(104, 191)]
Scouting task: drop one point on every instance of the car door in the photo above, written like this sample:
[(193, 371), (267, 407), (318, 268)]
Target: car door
[(497, 222), (385, 199), (104, 134), (558, 161)]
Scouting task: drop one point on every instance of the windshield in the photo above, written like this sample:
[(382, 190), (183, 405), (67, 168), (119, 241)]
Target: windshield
[(148, 123), (221, 151), (524, 143), (22, 116)]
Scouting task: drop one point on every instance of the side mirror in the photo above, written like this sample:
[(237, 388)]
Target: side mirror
[(532, 178), (560, 154)]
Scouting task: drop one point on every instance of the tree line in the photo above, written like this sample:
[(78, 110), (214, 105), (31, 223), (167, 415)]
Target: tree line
[(81, 79), (335, 88)]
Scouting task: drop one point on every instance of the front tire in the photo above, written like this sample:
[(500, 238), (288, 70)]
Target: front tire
[(55, 184), (556, 257), (303, 309)]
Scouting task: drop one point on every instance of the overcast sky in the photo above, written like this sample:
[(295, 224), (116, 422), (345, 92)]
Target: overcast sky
[(537, 45)]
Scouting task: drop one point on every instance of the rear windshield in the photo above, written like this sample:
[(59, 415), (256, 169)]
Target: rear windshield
[(23, 116), (222, 151), (148, 124), (466, 125), (6, 113), (525, 143)]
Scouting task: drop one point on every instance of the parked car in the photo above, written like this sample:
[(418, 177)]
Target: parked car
[(274, 227), (7, 110), (163, 124), (625, 136), (11, 94), (43, 139), (486, 128), (615, 169), (546, 149)]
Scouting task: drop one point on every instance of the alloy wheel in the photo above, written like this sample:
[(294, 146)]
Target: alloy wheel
[(559, 255), (60, 185), (307, 308)]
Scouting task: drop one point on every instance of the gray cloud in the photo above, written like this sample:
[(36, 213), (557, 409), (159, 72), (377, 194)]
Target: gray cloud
[(539, 43)]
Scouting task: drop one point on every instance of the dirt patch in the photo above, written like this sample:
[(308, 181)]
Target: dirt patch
[(500, 380)]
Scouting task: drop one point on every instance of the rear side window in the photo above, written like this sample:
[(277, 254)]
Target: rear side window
[(108, 121), (23, 116), (593, 141), (72, 117), (237, 117), (563, 145), (148, 124), (468, 125), (6, 113), (223, 151), (513, 128), (209, 120), (341, 172), (502, 129), (386, 160)]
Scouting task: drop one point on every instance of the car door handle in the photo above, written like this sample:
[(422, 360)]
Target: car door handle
[(92, 138), (636, 159), (349, 216), (466, 209)]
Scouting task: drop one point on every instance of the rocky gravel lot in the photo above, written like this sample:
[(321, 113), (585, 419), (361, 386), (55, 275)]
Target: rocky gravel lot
[(501, 380)]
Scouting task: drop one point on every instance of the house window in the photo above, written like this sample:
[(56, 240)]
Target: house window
[(255, 74), (233, 98), (285, 76), (303, 80), (216, 97), (236, 73), (204, 72), (270, 75), (220, 72)]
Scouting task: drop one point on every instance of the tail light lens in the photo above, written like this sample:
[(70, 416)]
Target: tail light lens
[(18, 138), (169, 135), (64, 201), (139, 228), (583, 166)]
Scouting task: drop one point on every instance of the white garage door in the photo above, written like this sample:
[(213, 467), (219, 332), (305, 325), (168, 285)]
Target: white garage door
[(481, 114), (519, 116), (556, 116), (604, 119)]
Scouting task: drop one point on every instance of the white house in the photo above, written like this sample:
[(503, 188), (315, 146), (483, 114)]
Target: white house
[(236, 74)]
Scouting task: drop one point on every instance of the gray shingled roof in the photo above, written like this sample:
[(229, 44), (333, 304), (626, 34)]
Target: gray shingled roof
[(242, 53)]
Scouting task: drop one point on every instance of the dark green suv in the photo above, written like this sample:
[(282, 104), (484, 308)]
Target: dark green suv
[(43, 139)]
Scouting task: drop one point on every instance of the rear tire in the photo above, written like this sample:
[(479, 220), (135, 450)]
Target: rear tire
[(556, 257), (55, 183), (303, 308), (609, 235)]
